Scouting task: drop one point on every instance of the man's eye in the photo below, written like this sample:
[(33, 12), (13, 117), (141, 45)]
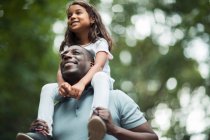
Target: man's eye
[(62, 56), (63, 53), (75, 52)]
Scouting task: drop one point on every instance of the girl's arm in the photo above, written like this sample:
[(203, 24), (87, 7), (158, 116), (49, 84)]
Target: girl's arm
[(59, 77), (64, 87), (101, 58)]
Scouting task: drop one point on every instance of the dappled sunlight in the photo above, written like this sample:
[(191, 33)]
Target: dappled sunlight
[(193, 114), (130, 36), (118, 29), (143, 24), (1, 13), (195, 123), (163, 116), (153, 85), (167, 2), (184, 97), (194, 105), (198, 50), (106, 18), (171, 83), (125, 57), (58, 28), (199, 137), (127, 86), (178, 34), (57, 42), (117, 8)]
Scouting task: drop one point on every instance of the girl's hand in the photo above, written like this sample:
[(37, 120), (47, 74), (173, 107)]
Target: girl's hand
[(65, 90), (77, 89)]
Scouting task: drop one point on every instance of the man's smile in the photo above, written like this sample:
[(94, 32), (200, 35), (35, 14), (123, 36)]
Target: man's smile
[(68, 63)]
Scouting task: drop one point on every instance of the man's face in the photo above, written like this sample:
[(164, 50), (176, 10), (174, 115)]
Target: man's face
[(75, 63)]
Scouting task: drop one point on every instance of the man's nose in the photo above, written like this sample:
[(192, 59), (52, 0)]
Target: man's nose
[(67, 56)]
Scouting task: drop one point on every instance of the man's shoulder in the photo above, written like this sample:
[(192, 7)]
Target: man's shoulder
[(117, 94)]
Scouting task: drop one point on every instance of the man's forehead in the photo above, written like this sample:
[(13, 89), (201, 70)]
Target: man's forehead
[(73, 47)]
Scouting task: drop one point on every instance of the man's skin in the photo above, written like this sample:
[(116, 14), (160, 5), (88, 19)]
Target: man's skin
[(75, 64)]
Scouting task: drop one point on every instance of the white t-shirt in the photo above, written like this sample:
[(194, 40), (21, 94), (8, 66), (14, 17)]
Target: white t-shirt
[(101, 45)]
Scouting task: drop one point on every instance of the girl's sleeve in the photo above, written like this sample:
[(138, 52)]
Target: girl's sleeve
[(102, 45)]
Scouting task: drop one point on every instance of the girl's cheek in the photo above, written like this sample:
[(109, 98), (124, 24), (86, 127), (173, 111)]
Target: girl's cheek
[(69, 24)]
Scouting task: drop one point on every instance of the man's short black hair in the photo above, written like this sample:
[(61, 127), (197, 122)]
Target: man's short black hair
[(91, 55)]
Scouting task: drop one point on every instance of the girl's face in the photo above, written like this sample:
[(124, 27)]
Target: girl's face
[(78, 19)]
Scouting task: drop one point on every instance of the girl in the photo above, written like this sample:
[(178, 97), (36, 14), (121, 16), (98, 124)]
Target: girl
[(85, 28)]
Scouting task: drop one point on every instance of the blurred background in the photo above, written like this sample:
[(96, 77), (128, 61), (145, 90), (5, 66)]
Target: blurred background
[(161, 60)]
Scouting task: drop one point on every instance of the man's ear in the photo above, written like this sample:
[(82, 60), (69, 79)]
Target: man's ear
[(92, 64)]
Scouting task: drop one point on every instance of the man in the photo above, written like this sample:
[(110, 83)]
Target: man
[(123, 119)]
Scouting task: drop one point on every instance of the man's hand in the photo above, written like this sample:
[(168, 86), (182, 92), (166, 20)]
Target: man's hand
[(39, 126), (142, 131), (77, 89), (107, 117)]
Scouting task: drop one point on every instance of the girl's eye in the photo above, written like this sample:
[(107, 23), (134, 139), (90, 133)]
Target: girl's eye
[(79, 12), (69, 16)]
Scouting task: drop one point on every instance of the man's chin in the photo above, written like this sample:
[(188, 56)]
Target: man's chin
[(71, 76), (68, 73)]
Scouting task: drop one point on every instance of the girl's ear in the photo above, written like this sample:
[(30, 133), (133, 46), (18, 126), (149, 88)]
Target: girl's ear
[(92, 20)]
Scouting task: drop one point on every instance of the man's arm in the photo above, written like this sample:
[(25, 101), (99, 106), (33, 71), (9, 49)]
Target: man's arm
[(141, 132)]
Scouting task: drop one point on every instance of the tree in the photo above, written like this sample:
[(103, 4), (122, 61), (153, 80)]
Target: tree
[(27, 60)]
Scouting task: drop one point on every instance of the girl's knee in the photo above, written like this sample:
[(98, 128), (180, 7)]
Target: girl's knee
[(47, 89), (100, 76)]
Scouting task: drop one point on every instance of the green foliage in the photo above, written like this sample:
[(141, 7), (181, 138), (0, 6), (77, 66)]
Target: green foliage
[(27, 60)]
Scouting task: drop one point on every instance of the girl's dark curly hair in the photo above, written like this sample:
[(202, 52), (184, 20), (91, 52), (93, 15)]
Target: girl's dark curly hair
[(97, 29)]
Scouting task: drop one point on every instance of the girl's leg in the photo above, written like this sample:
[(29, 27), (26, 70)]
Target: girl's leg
[(101, 85), (46, 104)]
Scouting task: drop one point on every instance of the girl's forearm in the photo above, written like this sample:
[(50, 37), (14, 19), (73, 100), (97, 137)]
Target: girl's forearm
[(59, 77), (88, 77)]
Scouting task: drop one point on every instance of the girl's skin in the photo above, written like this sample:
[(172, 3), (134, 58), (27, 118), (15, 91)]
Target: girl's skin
[(79, 22)]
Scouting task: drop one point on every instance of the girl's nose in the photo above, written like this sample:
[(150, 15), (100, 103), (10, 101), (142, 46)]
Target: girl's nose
[(73, 16)]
